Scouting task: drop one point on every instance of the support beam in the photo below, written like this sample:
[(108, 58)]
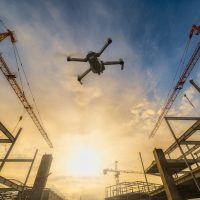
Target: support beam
[(145, 176), (6, 132), (191, 150), (183, 154), (29, 171), (195, 85), (5, 141), (10, 184), (16, 160), (10, 149), (167, 179), (183, 137), (41, 178), (182, 118), (190, 142)]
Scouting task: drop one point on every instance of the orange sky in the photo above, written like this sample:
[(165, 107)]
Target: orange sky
[(108, 118)]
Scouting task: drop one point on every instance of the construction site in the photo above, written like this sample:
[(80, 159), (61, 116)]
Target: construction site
[(180, 172), (176, 165)]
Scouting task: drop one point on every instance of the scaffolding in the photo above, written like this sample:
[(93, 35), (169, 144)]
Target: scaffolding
[(137, 188)]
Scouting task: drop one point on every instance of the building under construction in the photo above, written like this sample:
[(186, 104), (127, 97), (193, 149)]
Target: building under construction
[(180, 174), (178, 170), (11, 188)]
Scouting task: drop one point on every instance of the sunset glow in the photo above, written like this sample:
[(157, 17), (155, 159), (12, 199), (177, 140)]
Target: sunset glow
[(84, 161), (111, 115)]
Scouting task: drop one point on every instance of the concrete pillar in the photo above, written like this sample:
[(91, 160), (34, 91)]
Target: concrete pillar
[(41, 178), (166, 176)]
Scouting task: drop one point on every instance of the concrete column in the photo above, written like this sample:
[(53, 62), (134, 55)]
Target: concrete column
[(166, 176), (41, 178)]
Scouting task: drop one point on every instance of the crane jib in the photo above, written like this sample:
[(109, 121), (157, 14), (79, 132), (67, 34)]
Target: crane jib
[(188, 69), (12, 81)]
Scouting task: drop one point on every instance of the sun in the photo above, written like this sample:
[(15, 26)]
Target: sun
[(84, 161)]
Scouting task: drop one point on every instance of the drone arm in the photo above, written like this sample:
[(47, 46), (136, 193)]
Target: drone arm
[(83, 75), (77, 59), (109, 41), (120, 62)]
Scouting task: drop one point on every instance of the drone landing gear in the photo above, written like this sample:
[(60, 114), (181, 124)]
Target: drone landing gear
[(120, 62), (83, 75)]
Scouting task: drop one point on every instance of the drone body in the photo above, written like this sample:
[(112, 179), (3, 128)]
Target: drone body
[(97, 66)]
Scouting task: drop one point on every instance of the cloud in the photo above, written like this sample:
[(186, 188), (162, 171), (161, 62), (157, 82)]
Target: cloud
[(112, 113)]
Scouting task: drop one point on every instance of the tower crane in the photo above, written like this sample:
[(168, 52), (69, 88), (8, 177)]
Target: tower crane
[(195, 30), (118, 172), (183, 77), (11, 78)]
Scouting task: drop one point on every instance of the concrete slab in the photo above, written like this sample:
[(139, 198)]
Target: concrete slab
[(174, 165)]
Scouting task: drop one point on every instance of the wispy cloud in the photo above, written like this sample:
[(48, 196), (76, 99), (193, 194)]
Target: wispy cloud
[(112, 113)]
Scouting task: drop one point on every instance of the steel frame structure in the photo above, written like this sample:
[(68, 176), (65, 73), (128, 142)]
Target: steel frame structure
[(10, 139), (11, 78), (137, 187), (179, 85), (185, 166)]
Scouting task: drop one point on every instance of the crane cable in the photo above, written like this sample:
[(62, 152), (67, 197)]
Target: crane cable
[(181, 63), (189, 101), (27, 82), (20, 78), (192, 105), (17, 58), (15, 127), (3, 24)]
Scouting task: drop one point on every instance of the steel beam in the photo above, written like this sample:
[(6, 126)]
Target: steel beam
[(183, 154), (6, 132), (145, 176), (41, 178), (16, 160), (10, 149), (10, 184), (5, 141), (182, 118), (190, 142), (189, 151), (183, 137), (167, 179), (195, 85)]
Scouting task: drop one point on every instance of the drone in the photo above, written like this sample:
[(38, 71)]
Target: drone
[(97, 66)]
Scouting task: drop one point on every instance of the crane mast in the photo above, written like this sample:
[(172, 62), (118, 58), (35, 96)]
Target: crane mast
[(11, 78), (179, 85), (118, 172)]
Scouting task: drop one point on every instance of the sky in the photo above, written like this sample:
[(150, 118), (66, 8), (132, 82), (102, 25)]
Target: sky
[(110, 116)]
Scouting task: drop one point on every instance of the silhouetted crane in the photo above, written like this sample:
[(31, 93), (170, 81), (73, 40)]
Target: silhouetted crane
[(183, 77), (117, 172), (11, 78)]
